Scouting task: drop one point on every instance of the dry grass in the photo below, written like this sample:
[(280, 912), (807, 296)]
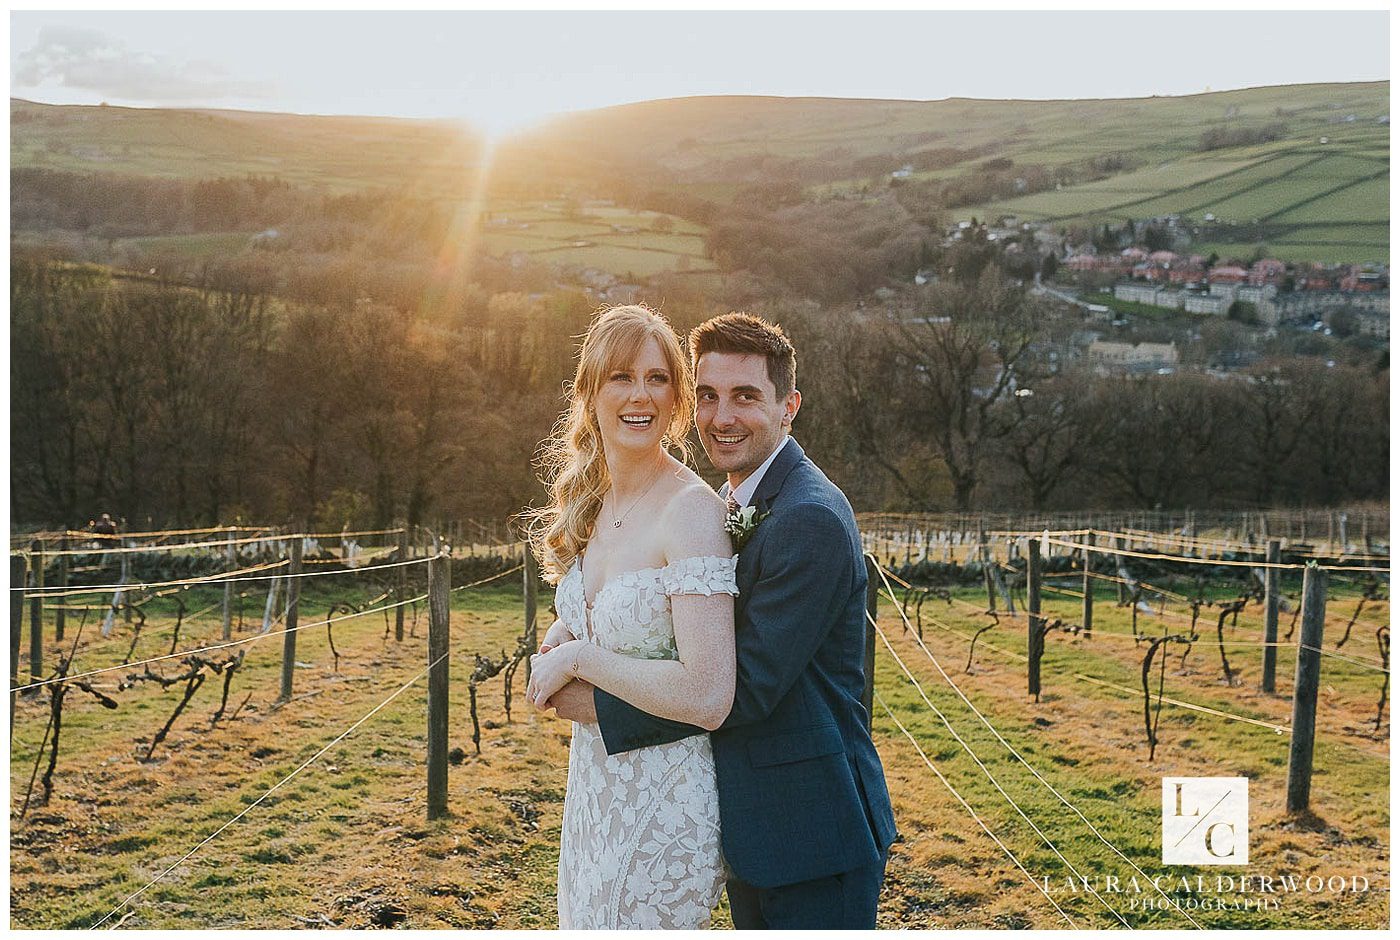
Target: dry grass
[(1088, 741), (346, 843)]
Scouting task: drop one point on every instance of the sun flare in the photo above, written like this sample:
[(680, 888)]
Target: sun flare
[(497, 118)]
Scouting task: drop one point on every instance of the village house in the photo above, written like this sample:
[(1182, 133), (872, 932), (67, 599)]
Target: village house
[(1134, 357), (1212, 303), (1256, 294), (1086, 262), (1364, 278), (1184, 270), (1267, 271), (1147, 294), (1307, 306), (1227, 274)]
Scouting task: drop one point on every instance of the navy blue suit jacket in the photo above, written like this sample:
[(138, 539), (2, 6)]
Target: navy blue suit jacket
[(801, 791)]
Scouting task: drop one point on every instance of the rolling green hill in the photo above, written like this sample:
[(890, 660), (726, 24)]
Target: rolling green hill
[(697, 135), (340, 153), (1319, 191), (1301, 168)]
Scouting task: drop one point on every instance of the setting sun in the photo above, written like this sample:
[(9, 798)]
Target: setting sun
[(497, 117)]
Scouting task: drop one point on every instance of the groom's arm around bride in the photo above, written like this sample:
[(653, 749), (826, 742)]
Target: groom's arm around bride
[(804, 812)]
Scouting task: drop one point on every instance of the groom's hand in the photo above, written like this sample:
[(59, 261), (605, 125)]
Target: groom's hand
[(574, 702)]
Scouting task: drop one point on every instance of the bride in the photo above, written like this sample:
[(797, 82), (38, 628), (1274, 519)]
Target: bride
[(635, 542)]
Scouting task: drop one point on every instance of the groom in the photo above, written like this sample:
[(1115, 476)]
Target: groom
[(805, 818)]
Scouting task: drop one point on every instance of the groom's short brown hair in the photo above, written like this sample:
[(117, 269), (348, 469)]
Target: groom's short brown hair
[(747, 335)]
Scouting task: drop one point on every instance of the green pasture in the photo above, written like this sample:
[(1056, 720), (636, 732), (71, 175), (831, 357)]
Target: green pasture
[(623, 260), (1326, 252), (692, 245), (504, 242), (1146, 311), (1365, 201), (554, 236), (1307, 186), (621, 215), (1264, 201), (1155, 130), (1376, 234)]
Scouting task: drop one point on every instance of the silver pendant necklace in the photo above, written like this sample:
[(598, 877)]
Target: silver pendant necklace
[(617, 520)]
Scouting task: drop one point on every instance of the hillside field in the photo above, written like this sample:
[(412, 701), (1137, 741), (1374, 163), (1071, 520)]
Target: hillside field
[(1320, 191)]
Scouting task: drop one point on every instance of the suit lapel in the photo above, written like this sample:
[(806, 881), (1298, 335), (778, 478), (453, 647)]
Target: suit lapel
[(768, 488), (788, 458)]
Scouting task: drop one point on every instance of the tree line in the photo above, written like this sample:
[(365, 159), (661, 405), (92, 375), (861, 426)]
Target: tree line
[(199, 401), (964, 399)]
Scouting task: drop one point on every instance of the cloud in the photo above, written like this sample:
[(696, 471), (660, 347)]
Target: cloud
[(90, 60)]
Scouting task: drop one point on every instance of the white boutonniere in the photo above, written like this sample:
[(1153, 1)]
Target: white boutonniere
[(740, 523)]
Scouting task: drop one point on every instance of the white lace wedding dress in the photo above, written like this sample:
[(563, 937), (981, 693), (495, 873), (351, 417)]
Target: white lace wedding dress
[(640, 841)]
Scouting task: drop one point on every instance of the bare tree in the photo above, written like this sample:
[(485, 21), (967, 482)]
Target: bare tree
[(1165, 438), (1278, 405), (1050, 432), (955, 361)]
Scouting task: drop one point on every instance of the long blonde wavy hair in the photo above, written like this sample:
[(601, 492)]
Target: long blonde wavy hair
[(572, 463)]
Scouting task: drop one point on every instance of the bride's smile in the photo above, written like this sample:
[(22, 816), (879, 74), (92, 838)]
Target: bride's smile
[(634, 406)]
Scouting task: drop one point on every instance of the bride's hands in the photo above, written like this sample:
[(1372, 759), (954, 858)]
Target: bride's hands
[(551, 671), (556, 635)]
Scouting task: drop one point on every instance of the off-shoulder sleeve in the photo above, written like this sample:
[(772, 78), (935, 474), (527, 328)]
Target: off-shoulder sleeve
[(702, 574)]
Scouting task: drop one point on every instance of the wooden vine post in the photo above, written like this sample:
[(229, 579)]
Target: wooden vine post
[(987, 567), (439, 635), (228, 589), (872, 607), (60, 617), (1035, 636), (1121, 545), (16, 626), (403, 583), (1270, 616), (36, 610), (532, 585), (289, 639), (1300, 751), (1087, 618), (126, 573)]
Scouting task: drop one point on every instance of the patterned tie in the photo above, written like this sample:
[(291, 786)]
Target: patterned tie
[(731, 504)]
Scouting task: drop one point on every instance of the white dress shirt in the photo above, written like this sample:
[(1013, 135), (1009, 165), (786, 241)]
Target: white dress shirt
[(743, 493)]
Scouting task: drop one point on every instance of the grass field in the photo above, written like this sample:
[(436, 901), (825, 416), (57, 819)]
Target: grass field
[(1319, 205), (339, 153), (688, 133), (1306, 249), (1146, 311), (345, 843), (614, 239)]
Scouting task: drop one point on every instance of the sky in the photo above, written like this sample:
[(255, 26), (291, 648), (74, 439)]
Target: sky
[(504, 70)]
